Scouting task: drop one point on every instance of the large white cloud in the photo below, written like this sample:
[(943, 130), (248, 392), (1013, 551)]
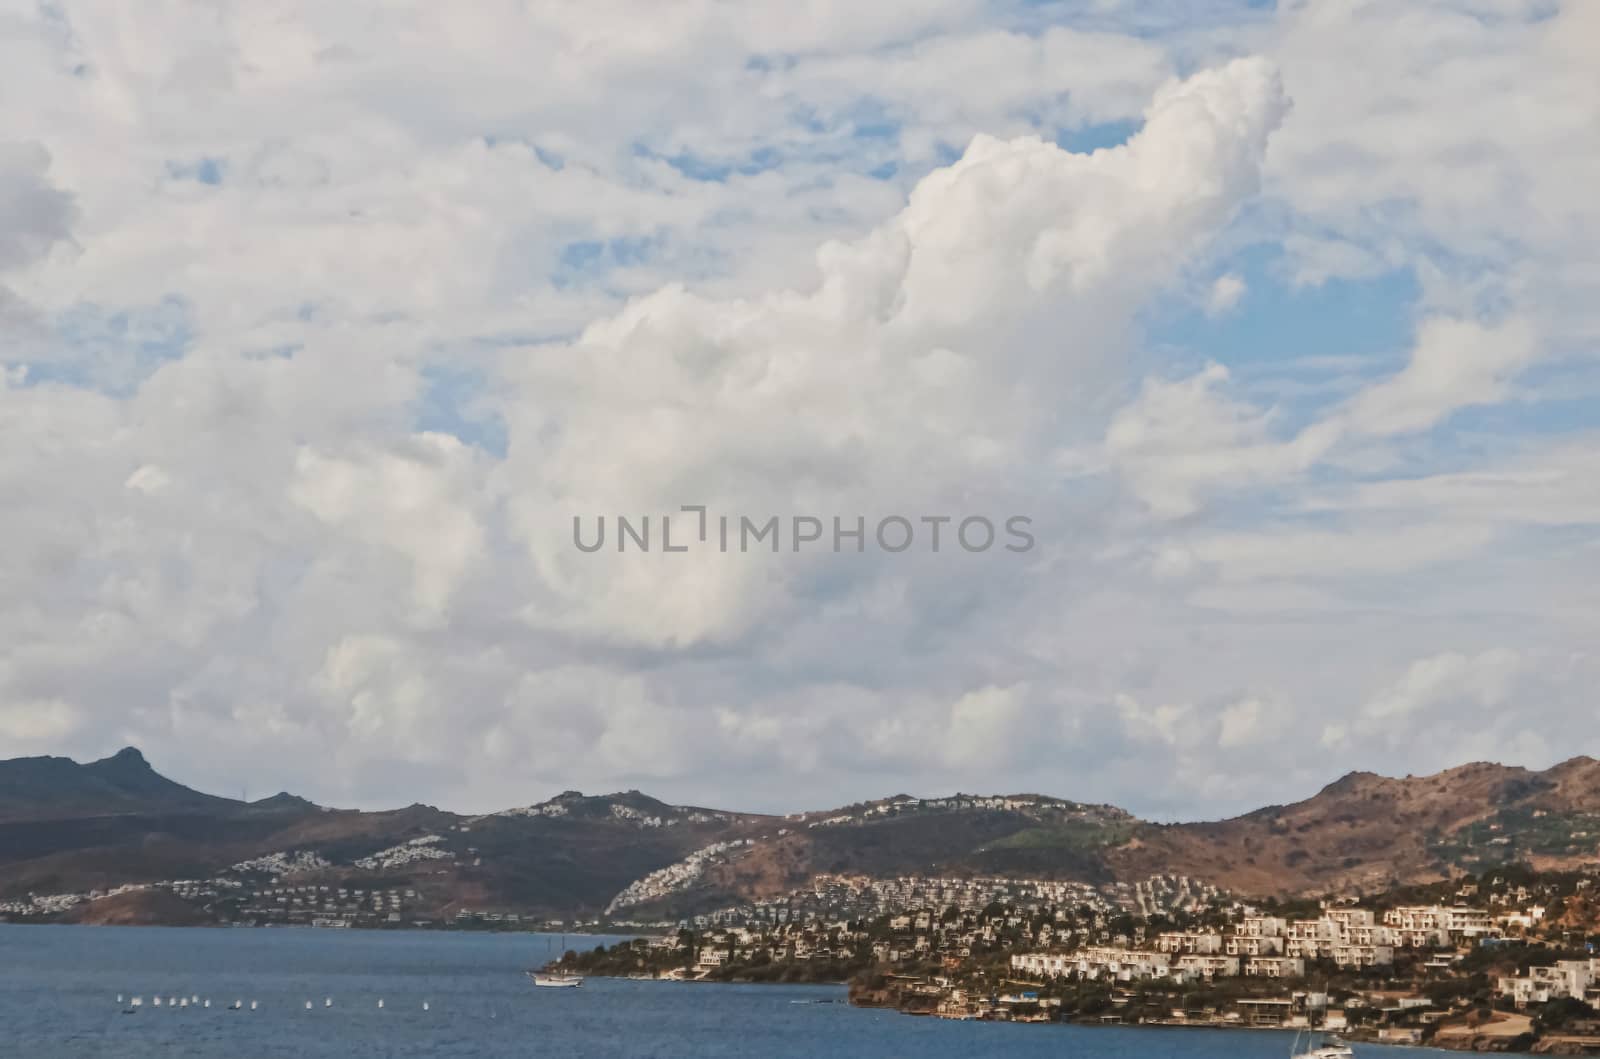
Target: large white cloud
[(328, 321), (937, 361)]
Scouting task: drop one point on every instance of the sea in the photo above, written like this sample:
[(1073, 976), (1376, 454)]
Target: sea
[(464, 994)]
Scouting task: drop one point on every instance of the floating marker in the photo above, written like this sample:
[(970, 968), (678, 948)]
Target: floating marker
[(327, 1001), (208, 1002), (158, 1001), (119, 998), (195, 999), (380, 1002), (184, 1002), (252, 1005), (424, 1005), (308, 1005)]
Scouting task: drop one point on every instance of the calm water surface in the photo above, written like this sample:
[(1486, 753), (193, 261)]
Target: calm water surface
[(58, 988)]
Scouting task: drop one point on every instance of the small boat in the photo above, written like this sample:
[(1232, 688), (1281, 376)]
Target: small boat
[(555, 980), (1331, 1048)]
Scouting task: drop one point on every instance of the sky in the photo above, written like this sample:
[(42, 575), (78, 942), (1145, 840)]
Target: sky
[(321, 323)]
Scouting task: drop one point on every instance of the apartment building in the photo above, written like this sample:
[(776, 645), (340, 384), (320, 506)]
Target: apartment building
[(1189, 943), (1191, 967), (1564, 978), (1253, 945), (1275, 967)]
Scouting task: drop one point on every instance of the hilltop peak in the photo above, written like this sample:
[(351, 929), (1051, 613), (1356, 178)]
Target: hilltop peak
[(1351, 781), (284, 801), (1581, 761)]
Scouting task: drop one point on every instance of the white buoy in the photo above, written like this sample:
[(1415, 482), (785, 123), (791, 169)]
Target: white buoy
[(195, 999), (252, 1005), (183, 1002), (207, 1003), (380, 1002), (157, 1001), (171, 1003), (308, 1005), (424, 1005), (327, 1001), (119, 998)]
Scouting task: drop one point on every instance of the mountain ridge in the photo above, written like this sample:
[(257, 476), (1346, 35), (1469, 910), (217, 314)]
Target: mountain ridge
[(67, 827)]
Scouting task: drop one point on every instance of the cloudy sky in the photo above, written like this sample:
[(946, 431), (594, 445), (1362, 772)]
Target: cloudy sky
[(320, 322)]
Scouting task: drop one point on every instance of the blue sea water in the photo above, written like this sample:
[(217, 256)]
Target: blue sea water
[(58, 988)]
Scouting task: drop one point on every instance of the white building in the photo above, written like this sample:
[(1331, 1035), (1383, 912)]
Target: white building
[(1436, 926), (1189, 943), (1253, 945), (1351, 937), (1119, 965), (1275, 967), (1262, 927), (1564, 978), (1191, 967)]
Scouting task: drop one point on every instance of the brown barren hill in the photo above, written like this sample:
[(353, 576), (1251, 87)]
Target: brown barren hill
[(1366, 832), (140, 908)]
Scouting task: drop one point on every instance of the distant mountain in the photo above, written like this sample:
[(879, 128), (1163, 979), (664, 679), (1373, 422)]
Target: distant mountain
[(53, 787), (71, 828)]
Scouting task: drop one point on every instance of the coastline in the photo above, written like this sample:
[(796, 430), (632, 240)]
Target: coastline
[(860, 998), (408, 928)]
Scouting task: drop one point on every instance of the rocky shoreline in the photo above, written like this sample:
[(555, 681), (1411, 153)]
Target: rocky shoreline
[(1507, 1034)]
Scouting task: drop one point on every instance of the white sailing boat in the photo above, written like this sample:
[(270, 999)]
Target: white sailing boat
[(555, 980), (1318, 1048)]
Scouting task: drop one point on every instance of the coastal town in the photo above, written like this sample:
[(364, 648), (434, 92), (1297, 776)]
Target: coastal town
[(1500, 962), (1027, 908)]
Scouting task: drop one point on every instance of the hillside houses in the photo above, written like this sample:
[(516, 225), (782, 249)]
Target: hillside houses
[(862, 897), (1253, 946)]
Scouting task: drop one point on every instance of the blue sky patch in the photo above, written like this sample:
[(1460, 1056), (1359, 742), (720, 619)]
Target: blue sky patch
[(114, 350), (208, 171), (454, 401)]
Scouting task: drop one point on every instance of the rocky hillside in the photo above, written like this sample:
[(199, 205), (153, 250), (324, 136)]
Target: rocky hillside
[(1366, 832), (67, 829)]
